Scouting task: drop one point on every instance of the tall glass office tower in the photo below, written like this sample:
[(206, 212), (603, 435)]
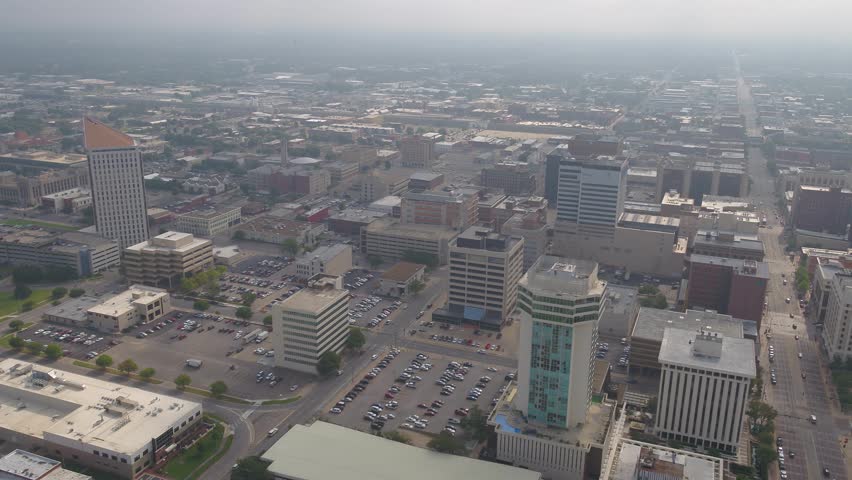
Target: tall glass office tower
[(560, 301)]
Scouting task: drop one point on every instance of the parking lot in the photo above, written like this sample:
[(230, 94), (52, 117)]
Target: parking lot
[(222, 347), (400, 398), (465, 336), (75, 342)]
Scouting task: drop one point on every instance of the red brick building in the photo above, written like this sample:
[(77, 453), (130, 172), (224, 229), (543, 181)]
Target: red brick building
[(730, 286), (822, 209)]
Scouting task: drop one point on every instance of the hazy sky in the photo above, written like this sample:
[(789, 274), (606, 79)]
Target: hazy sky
[(812, 19)]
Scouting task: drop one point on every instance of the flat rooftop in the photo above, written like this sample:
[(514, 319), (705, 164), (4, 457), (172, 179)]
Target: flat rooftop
[(22, 464), (402, 271), (209, 213), (74, 309), (45, 158), (323, 451), (694, 466), (358, 215), (312, 300), (591, 432), (712, 238), (652, 322), (277, 225), (39, 401), (679, 348), (743, 267), (170, 242), (124, 301), (562, 276), (393, 227)]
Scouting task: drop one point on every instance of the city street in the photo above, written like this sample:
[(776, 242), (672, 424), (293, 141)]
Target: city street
[(816, 446)]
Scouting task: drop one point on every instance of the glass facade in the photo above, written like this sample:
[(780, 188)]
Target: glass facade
[(550, 373)]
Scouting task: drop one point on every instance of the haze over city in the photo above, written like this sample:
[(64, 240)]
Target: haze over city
[(539, 240)]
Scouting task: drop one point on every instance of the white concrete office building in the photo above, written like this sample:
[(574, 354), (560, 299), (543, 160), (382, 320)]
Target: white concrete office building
[(331, 260), (704, 388), (590, 195), (836, 332), (560, 303), (118, 190), (311, 322)]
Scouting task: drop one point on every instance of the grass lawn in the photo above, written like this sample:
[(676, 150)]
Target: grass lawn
[(36, 223), (222, 451), (206, 393), (283, 401), (114, 371), (9, 304), (182, 466)]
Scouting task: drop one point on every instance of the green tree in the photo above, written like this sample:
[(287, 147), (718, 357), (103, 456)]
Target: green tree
[(416, 287), (201, 305), (251, 468), (762, 414), (446, 443), (648, 289), (182, 381), (375, 261), (244, 313), (53, 351), (127, 367), (104, 361), (397, 436), (423, 258), (76, 292), (27, 274), (329, 362), (22, 291), (249, 298), (16, 325), (475, 424), (35, 348), (239, 235), (290, 246), (356, 338), (218, 388), (58, 292), (17, 342), (147, 373), (267, 320), (27, 306)]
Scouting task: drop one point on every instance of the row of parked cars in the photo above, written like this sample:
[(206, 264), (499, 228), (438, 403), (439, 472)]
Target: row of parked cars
[(374, 415), (69, 336), (359, 282)]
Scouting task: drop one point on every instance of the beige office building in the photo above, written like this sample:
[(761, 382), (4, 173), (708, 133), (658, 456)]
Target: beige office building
[(118, 190), (331, 260), (209, 223), (136, 305), (311, 322), (391, 240), (167, 258)]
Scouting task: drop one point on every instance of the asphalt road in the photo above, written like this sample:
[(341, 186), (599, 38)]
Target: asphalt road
[(816, 446)]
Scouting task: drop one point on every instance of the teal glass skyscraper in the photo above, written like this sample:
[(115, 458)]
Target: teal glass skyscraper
[(559, 301)]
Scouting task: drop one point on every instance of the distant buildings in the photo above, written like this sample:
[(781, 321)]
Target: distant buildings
[(731, 286), (704, 388), (20, 464), (331, 260), (86, 254), (392, 240), (590, 197), (417, 151), (484, 271), (380, 184), (512, 178), (536, 233), (167, 258), (309, 323), (68, 201), (283, 180), (694, 177), (728, 245), (209, 223), (425, 180), (28, 191), (823, 210), (276, 230), (454, 209), (115, 168), (116, 428)]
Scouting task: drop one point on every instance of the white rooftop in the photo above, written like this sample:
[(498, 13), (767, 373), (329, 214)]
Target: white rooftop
[(690, 348), (323, 451), (71, 408), (695, 466), (125, 300)]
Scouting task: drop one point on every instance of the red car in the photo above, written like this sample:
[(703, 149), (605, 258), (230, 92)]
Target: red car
[(181, 337), (389, 395), (423, 405)]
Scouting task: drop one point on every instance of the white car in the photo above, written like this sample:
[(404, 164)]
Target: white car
[(375, 356)]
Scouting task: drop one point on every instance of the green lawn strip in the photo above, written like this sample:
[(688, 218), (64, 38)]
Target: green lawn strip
[(283, 401), (38, 223), (184, 464), (4, 340), (9, 304), (113, 371), (222, 451), (206, 393)]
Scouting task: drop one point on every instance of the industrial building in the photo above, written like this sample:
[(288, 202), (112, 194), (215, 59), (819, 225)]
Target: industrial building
[(107, 426)]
